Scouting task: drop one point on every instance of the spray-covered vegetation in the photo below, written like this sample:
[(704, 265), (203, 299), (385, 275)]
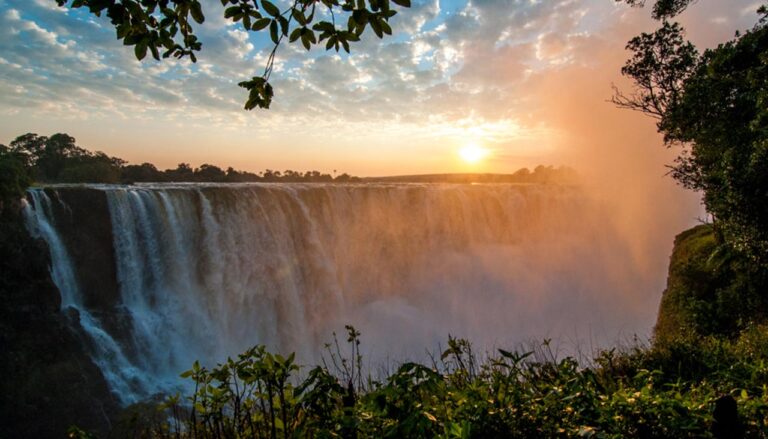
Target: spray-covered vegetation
[(694, 388)]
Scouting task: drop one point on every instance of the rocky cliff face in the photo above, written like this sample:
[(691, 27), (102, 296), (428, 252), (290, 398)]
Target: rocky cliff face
[(84, 214), (48, 382)]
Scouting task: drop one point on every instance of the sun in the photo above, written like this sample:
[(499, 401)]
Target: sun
[(472, 153)]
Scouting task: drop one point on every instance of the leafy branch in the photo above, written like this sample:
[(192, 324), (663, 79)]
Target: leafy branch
[(155, 26)]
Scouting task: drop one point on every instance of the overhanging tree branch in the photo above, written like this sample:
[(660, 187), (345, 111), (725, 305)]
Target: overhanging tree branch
[(152, 26)]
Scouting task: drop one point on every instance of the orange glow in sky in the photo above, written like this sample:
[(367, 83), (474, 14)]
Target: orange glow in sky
[(472, 153), (525, 83)]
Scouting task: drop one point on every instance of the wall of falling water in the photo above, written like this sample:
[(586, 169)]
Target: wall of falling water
[(203, 271)]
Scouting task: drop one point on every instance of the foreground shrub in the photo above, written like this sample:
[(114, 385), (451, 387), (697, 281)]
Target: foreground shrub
[(645, 393)]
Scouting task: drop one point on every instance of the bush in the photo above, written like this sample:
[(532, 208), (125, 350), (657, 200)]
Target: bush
[(644, 392)]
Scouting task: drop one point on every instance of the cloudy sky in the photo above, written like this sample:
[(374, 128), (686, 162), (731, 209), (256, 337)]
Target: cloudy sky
[(526, 79)]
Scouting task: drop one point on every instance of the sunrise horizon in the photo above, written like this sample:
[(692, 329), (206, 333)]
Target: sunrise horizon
[(400, 116)]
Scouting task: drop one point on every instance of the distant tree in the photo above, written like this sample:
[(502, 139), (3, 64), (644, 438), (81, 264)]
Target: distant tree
[(291, 176), (145, 172), (208, 172), (249, 176), (522, 173), (155, 26), (59, 159), (15, 177), (183, 172), (55, 154), (233, 176), (28, 147), (270, 175), (91, 171), (342, 178)]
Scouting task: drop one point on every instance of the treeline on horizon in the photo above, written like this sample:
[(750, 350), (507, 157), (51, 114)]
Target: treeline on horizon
[(58, 159)]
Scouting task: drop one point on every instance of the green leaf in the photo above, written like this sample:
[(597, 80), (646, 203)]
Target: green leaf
[(270, 8), (273, 31), (296, 34), (197, 12), (376, 26), (324, 26), (299, 16), (403, 3), (260, 24), (283, 24), (231, 11), (155, 53), (140, 50), (385, 27)]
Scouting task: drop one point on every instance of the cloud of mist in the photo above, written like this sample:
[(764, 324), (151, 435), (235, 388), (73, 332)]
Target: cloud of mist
[(601, 281)]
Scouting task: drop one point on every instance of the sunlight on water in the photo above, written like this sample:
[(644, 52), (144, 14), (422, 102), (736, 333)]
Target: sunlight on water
[(205, 271)]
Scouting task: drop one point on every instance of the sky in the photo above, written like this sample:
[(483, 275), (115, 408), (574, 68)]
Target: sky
[(527, 80)]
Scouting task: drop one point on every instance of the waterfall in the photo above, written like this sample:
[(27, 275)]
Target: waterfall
[(203, 271), (127, 382)]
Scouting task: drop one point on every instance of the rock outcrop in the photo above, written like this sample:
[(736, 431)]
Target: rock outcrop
[(49, 381)]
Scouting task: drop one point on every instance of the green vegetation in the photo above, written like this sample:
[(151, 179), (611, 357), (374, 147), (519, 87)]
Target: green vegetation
[(711, 290), (152, 26), (57, 159), (647, 393), (14, 178), (714, 107)]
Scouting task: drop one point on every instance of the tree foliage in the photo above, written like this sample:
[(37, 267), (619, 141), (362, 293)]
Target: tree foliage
[(58, 159), (715, 107), (723, 116), (165, 28), (663, 9), (661, 62), (14, 177)]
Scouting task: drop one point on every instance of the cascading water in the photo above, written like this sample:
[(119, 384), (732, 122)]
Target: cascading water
[(126, 380), (203, 271)]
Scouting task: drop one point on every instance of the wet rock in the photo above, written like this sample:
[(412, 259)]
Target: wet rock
[(48, 380)]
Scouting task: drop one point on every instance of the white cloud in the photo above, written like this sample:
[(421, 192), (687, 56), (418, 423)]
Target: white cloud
[(476, 60)]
